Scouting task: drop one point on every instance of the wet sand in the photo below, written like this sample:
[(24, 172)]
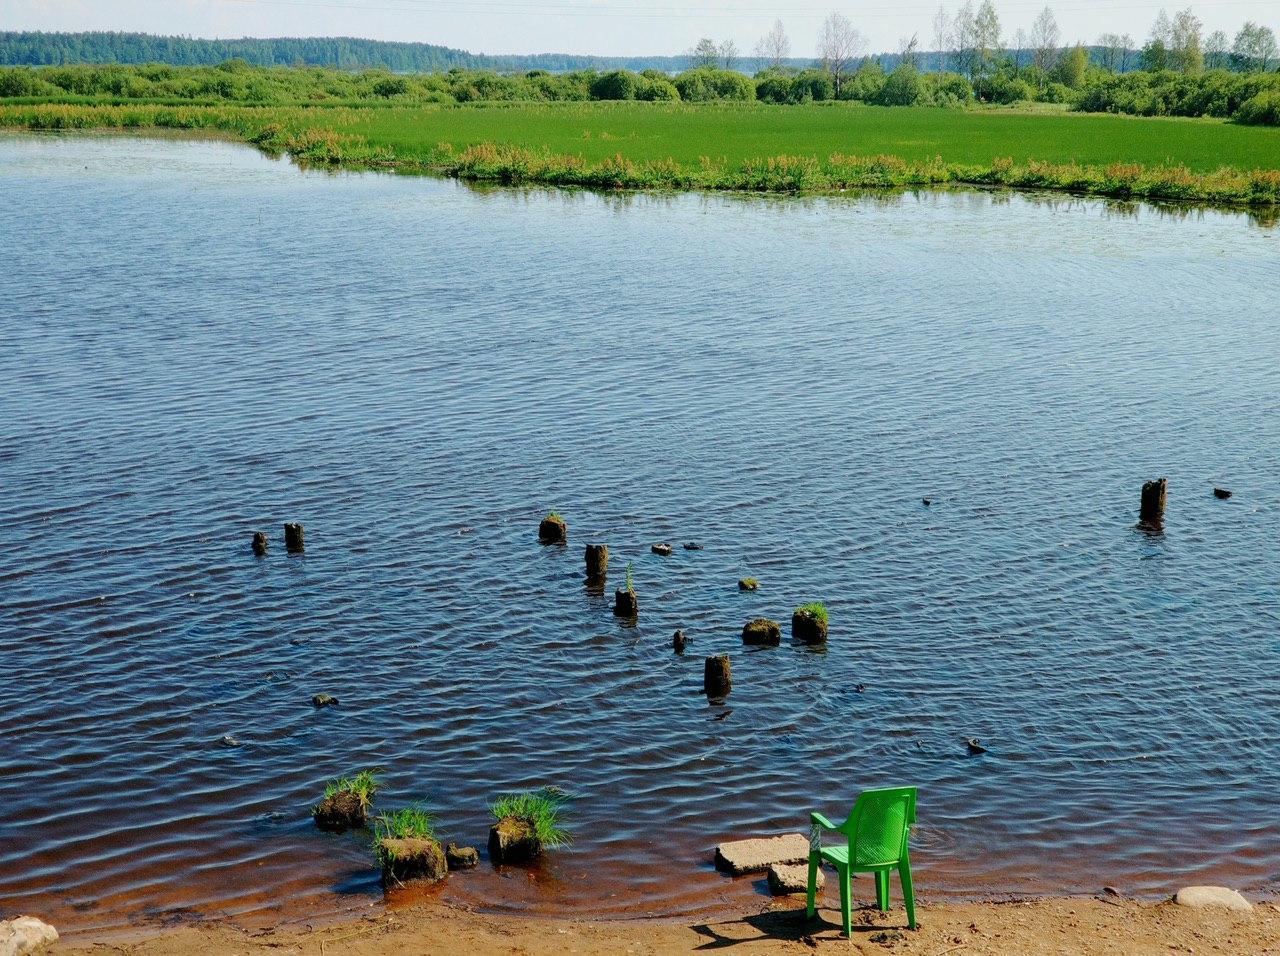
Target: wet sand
[(1044, 926)]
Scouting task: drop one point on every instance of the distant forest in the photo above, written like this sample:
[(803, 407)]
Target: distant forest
[(346, 53)]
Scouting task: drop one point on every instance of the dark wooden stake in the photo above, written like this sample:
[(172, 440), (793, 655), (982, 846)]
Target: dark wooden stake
[(597, 557), (1154, 494), (717, 676), (259, 543), (293, 537)]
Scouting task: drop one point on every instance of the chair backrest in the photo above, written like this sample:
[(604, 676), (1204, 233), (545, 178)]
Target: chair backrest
[(877, 825)]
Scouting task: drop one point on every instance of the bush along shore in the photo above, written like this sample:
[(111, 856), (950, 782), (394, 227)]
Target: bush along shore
[(298, 133)]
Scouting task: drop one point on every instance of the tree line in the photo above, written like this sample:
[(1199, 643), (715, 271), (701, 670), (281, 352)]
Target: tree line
[(1246, 97)]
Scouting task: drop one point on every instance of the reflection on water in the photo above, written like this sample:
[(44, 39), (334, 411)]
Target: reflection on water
[(201, 342)]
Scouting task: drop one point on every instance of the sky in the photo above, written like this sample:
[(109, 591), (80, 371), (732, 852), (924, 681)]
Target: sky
[(605, 27)]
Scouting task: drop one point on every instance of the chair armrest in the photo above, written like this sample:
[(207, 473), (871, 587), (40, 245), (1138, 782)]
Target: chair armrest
[(821, 821)]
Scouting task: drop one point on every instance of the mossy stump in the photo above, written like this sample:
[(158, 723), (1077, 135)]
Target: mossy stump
[(717, 676), (553, 530), (808, 628), (748, 584), (1154, 496), (294, 538), (259, 543), (341, 811), (512, 840), (461, 857), (625, 602), (412, 860), (762, 631), (597, 558)]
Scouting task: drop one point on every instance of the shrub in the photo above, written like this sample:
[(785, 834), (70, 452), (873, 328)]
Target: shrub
[(703, 84), (904, 87), (1261, 110), (616, 85), (1003, 89)]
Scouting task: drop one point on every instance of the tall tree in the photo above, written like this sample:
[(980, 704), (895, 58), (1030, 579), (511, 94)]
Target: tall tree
[(705, 54), (774, 47), (1045, 38), (1072, 67), (1216, 46), (942, 36), (728, 54), (1255, 46), (909, 51), (1126, 53), (839, 44), (1110, 51), (1021, 43), (986, 39), (964, 35), (1186, 46)]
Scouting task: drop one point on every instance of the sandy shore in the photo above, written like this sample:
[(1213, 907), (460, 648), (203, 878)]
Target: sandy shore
[(1049, 926)]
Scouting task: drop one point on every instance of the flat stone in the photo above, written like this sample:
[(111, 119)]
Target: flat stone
[(785, 878), (1201, 897), (749, 856), (26, 934)]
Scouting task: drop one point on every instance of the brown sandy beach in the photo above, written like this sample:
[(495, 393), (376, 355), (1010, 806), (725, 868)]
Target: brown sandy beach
[(1044, 926)]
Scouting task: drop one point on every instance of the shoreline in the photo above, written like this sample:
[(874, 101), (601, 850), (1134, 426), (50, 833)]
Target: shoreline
[(1049, 925), (288, 131)]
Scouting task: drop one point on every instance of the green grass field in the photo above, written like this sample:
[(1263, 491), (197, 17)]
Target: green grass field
[(756, 147), (731, 133)]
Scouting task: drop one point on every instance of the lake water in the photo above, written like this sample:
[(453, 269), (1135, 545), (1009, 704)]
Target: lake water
[(200, 342)]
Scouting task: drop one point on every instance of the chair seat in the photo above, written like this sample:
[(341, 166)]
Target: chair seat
[(836, 855)]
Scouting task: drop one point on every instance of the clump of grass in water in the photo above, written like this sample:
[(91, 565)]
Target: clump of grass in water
[(413, 822), (553, 516), (542, 809), (815, 609), (629, 587), (363, 785)]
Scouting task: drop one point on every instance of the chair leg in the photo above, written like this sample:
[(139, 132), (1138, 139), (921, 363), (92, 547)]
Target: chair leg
[(812, 908), (846, 915), (908, 894), (882, 890)]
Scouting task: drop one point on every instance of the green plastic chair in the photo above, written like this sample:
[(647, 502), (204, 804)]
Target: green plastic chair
[(877, 830)]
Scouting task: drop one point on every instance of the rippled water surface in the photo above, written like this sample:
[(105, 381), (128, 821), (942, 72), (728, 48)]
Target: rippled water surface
[(199, 342)]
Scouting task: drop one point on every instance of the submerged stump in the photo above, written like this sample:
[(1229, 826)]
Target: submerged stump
[(597, 559), (461, 857), (412, 860), (1222, 494), (513, 840), (293, 538), (717, 676), (343, 810), (553, 530), (762, 631), (808, 627), (661, 549), (1154, 495), (678, 642), (626, 603), (748, 584), (259, 543)]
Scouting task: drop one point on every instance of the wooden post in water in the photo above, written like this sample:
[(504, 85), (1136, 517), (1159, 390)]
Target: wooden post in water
[(293, 542), (597, 557), (1154, 494), (717, 677), (259, 543)]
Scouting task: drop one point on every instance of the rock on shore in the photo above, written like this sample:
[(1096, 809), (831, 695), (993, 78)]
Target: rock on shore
[(26, 934)]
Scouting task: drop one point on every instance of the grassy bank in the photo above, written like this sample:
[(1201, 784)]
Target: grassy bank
[(739, 146)]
